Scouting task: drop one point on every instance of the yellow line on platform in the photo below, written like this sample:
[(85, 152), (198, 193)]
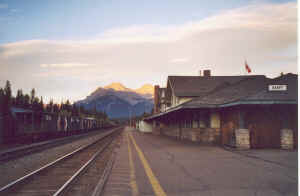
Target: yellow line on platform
[(133, 184), (153, 180)]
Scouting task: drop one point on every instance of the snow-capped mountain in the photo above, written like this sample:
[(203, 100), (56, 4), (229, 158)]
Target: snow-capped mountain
[(119, 101)]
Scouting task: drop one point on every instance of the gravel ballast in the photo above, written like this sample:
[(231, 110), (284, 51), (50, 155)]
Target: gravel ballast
[(14, 169)]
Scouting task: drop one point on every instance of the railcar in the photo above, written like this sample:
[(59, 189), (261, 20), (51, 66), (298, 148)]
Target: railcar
[(27, 126)]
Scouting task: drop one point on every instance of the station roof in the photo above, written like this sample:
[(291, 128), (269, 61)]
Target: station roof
[(291, 80), (247, 90), (195, 86), (250, 91)]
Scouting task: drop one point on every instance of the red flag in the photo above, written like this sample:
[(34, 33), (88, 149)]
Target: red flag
[(247, 67)]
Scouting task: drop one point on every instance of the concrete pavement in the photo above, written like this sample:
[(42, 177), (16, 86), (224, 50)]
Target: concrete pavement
[(164, 166)]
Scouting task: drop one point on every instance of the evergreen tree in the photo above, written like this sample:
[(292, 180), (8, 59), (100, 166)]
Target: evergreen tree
[(1, 100), (13, 101), (51, 105), (62, 106), (20, 98), (32, 96), (41, 108), (36, 104), (7, 97), (68, 106), (26, 103), (56, 108)]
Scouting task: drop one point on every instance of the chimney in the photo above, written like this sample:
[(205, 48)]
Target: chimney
[(156, 99), (206, 73)]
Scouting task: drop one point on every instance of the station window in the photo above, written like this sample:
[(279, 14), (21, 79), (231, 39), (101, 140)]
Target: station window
[(203, 120), (195, 123), (48, 117), (189, 123)]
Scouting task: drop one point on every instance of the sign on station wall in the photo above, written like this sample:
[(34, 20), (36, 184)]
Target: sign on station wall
[(277, 87)]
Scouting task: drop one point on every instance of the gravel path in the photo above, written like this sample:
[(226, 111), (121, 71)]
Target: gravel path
[(17, 168)]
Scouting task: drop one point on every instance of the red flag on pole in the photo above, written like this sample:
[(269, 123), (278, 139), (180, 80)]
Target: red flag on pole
[(247, 67)]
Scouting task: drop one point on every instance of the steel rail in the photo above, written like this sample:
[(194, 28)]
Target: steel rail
[(67, 184), (22, 179), (98, 190), (21, 151)]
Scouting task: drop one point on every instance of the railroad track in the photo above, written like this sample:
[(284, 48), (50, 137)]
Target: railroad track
[(72, 174), (34, 148)]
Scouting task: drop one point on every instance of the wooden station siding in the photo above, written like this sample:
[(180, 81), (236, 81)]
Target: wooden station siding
[(229, 123), (175, 125), (260, 125), (264, 123)]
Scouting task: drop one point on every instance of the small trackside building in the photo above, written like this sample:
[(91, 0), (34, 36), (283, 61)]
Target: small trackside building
[(239, 111)]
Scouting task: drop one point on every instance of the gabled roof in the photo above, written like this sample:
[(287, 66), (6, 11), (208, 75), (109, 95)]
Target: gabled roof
[(195, 86), (229, 93), (291, 94), (249, 90)]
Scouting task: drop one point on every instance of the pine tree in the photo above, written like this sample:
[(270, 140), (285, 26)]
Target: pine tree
[(7, 97), (68, 106), (32, 96), (35, 105), (26, 101), (62, 106), (13, 101), (41, 104), (1, 100), (56, 108), (20, 98), (51, 105)]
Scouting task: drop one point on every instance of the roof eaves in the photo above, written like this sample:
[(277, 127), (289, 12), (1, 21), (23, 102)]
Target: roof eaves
[(258, 102), (163, 113)]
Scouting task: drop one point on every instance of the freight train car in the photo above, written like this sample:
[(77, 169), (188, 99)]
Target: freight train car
[(26, 126)]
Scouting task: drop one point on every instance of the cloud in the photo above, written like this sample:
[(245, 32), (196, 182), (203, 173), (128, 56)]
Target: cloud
[(14, 10), (65, 65), (179, 60), (264, 34), (3, 6)]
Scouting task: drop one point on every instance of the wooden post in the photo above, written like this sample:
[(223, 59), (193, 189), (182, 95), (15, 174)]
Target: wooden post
[(241, 114), (180, 127)]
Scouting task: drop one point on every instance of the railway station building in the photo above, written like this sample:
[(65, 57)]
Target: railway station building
[(250, 111)]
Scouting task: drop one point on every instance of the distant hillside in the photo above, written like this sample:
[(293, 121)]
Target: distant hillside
[(146, 90), (119, 101)]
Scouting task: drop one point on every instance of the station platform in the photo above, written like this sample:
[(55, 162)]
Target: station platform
[(147, 165)]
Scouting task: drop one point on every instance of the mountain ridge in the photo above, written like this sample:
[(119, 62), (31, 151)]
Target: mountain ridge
[(144, 89), (118, 101)]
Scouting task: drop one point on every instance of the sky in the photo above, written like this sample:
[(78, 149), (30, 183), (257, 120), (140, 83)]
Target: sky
[(66, 49)]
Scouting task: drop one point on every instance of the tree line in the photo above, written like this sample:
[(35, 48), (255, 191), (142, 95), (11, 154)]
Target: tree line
[(32, 102)]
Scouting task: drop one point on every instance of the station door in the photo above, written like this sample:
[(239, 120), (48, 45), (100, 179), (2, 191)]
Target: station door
[(264, 129)]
